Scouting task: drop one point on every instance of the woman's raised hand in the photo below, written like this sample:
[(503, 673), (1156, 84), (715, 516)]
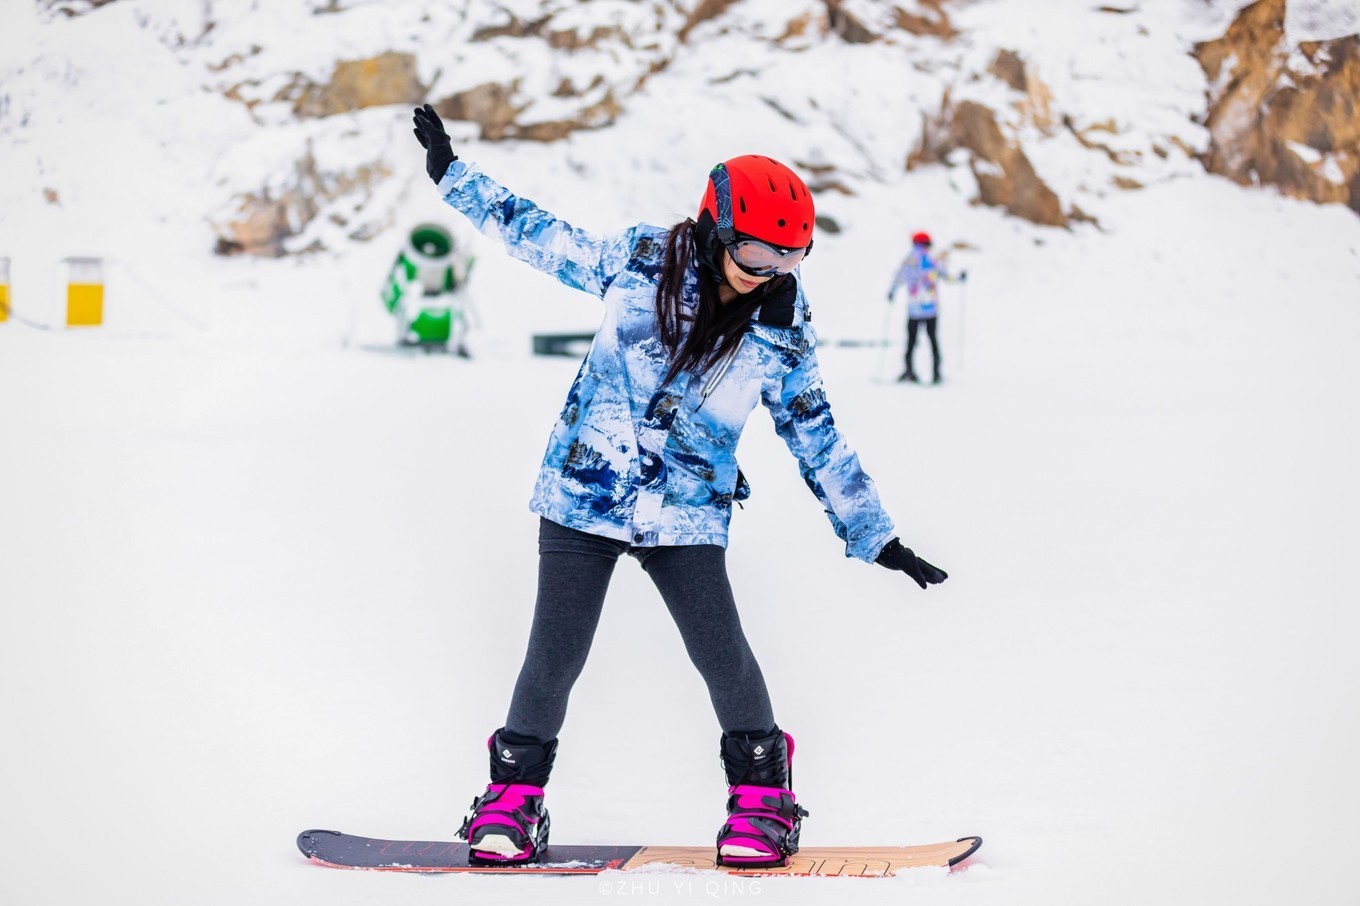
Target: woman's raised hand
[(430, 133)]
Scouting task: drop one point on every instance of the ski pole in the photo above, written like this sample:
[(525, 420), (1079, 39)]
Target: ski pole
[(963, 314)]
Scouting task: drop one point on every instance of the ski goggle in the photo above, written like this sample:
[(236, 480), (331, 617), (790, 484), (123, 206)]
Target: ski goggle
[(760, 259)]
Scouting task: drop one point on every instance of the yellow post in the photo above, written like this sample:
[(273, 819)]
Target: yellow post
[(4, 289), (85, 292)]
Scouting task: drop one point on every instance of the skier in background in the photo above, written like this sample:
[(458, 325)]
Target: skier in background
[(426, 291), (920, 273), (700, 321)]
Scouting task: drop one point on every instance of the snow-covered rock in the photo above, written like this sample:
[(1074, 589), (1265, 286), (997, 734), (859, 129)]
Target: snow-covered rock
[(1282, 110)]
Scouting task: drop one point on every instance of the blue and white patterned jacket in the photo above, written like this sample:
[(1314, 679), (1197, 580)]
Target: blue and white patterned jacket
[(648, 464)]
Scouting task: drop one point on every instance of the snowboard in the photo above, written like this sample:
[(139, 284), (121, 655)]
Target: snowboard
[(337, 850)]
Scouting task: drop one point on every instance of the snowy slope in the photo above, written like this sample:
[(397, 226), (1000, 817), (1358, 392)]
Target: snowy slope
[(256, 580)]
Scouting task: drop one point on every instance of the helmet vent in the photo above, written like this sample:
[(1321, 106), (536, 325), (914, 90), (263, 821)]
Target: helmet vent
[(771, 182), (742, 202), (783, 222), (793, 192)]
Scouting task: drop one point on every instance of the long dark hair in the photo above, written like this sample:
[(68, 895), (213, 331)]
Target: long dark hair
[(716, 329)]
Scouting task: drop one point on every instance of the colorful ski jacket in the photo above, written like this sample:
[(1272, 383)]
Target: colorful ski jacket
[(654, 464), (920, 273)]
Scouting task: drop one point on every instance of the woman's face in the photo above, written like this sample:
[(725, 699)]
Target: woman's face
[(738, 279)]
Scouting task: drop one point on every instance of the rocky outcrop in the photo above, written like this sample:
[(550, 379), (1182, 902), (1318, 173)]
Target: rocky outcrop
[(266, 221), (492, 107), (489, 105), (506, 110), (594, 116), (287, 214), (1004, 174), (845, 25), (1035, 103), (389, 78), (569, 39), (707, 9), (925, 17), (73, 8), (929, 19), (1283, 115)]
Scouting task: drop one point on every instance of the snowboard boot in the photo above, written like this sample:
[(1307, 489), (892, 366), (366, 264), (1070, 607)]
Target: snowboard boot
[(763, 816), (907, 376), (508, 824)]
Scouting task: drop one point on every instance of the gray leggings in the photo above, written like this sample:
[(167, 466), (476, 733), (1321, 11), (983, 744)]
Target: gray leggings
[(573, 574)]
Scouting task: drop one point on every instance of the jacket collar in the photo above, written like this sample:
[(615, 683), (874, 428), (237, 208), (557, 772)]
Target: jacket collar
[(778, 308)]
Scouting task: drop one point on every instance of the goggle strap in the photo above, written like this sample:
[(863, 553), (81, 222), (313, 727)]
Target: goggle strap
[(722, 192)]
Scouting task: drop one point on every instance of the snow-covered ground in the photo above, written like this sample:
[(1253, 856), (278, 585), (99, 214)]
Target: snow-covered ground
[(257, 577)]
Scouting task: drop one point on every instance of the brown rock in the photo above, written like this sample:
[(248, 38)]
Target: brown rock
[(935, 22), (1085, 139), (1077, 215), (512, 29), (797, 27), (73, 8), (930, 19), (601, 113), (824, 186), (389, 78), (491, 106), (261, 223), (488, 105), (1009, 68), (845, 26), (707, 9), (1004, 174), (827, 224), (1036, 106), (570, 39), (1281, 115)]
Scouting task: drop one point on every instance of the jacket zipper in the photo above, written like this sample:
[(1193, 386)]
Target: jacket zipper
[(712, 383)]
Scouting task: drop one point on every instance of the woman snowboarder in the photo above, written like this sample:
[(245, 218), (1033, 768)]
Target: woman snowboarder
[(701, 320)]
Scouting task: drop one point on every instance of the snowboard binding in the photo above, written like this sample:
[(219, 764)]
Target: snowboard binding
[(508, 825), (764, 819)]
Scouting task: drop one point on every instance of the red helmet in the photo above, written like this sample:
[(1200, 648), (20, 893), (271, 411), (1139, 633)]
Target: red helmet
[(765, 200), (921, 239)]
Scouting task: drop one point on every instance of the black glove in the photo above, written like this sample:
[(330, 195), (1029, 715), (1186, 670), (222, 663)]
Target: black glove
[(438, 149), (895, 556), (964, 276)]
